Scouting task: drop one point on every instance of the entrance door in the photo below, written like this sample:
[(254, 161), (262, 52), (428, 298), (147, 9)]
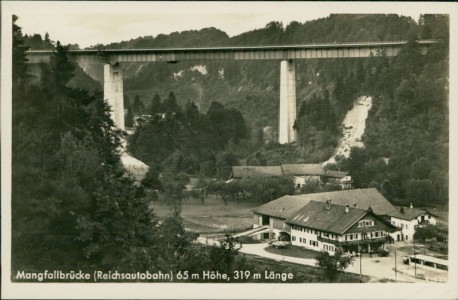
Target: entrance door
[(398, 238)]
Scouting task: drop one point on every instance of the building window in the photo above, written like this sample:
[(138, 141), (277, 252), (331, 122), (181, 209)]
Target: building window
[(304, 241), (300, 240), (293, 238), (376, 234), (407, 226), (402, 226)]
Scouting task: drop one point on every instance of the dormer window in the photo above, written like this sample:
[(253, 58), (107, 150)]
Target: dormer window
[(366, 223)]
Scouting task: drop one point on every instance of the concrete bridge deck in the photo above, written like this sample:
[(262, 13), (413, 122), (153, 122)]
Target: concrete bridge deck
[(287, 54), (269, 52)]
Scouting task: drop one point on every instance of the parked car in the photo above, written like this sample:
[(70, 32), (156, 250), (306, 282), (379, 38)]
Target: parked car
[(278, 244)]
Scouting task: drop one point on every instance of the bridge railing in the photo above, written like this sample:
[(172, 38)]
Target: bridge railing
[(268, 52)]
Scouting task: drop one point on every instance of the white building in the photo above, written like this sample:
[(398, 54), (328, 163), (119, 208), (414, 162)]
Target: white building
[(329, 227), (275, 220), (406, 219)]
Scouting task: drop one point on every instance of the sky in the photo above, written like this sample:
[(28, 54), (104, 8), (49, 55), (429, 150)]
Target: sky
[(90, 23)]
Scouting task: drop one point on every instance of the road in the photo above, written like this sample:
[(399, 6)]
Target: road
[(378, 268)]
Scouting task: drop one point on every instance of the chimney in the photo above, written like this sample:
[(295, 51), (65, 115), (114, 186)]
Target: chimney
[(411, 205), (347, 208), (328, 204)]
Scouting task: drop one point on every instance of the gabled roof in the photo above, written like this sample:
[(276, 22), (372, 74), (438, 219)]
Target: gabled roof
[(256, 171), (359, 198), (409, 213), (316, 215), (302, 169), (282, 207), (336, 174)]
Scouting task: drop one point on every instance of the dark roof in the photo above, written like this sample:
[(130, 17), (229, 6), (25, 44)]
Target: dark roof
[(363, 198), (255, 171), (359, 198), (409, 213), (316, 215), (336, 174), (302, 169), (282, 207)]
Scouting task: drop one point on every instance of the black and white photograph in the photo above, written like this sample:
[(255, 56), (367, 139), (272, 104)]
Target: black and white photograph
[(228, 150)]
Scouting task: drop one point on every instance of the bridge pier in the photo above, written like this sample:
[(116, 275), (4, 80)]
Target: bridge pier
[(286, 132), (113, 92)]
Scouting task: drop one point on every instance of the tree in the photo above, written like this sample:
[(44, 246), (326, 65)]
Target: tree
[(227, 190), (223, 256), (202, 185), (151, 180), (170, 104), (173, 185), (332, 265), (224, 163), (61, 67), (374, 184), (138, 107), (21, 75), (420, 191), (156, 105), (421, 169), (73, 207), (129, 118), (175, 248)]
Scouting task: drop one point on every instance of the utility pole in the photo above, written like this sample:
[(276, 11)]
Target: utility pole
[(395, 269), (414, 254), (360, 265)]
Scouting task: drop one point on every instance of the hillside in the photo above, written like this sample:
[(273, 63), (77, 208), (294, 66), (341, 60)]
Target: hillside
[(239, 85), (406, 147), (405, 154)]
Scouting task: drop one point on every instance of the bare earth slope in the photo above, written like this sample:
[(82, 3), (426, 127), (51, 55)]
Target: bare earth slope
[(353, 127)]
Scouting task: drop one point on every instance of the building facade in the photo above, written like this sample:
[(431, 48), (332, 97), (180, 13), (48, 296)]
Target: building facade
[(277, 220), (329, 227), (406, 219)]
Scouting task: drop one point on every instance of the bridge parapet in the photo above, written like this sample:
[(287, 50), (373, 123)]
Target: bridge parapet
[(113, 83), (286, 52)]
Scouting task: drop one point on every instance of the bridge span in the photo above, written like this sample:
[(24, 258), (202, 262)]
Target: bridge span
[(287, 54)]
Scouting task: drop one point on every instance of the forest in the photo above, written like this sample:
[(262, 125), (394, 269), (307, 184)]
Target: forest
[(70, 190), (409, 91), (74, 207)]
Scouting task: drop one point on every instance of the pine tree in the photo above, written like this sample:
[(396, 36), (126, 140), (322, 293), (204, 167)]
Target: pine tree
[(156, 105)]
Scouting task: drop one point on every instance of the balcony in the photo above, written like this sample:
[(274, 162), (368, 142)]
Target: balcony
[(382, 239)]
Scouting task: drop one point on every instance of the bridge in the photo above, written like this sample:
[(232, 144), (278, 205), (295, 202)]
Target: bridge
[(287, 54)]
